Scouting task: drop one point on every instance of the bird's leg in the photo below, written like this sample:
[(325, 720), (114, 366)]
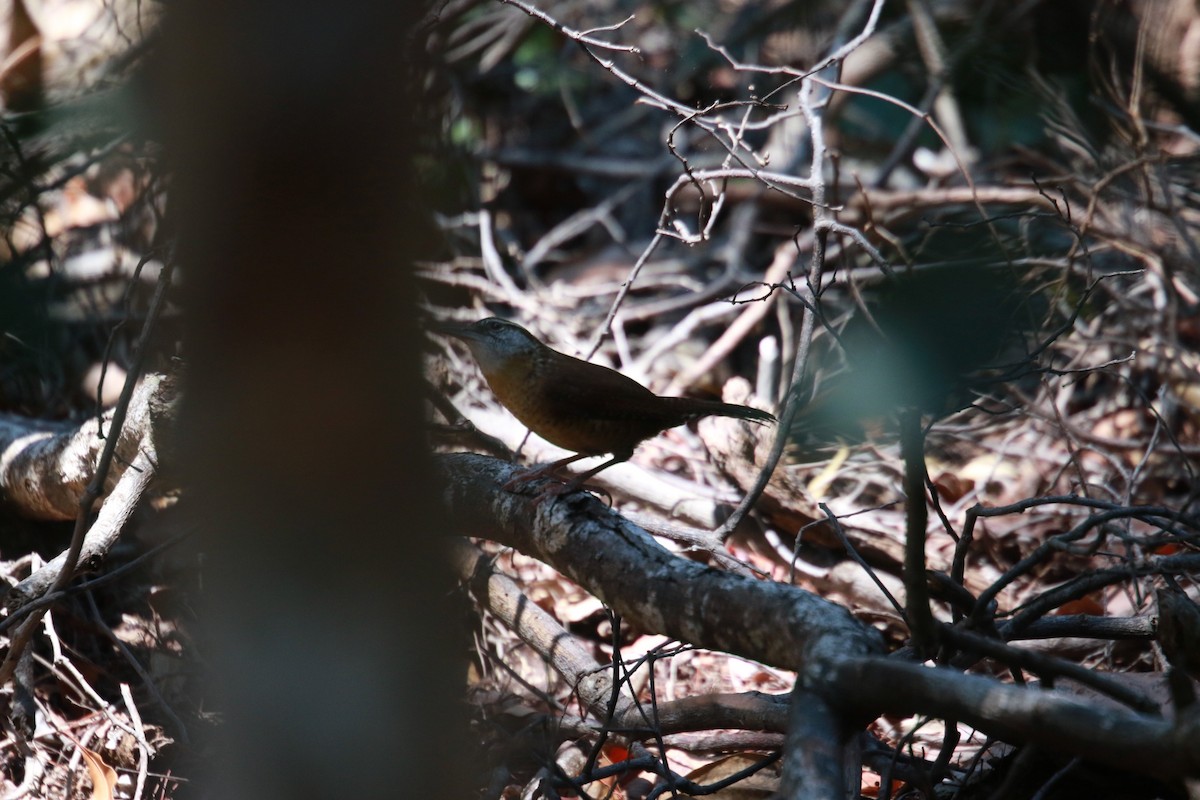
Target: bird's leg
[(577, 482), (568, 486), (540, 472), (580, 480)]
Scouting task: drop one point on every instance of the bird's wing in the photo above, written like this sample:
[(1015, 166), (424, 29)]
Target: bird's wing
[(590, 390)]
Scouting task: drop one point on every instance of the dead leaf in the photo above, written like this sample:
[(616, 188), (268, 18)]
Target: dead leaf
[(21, 68), (1084, 605), (760, 785), (104, 777), (953, 487)]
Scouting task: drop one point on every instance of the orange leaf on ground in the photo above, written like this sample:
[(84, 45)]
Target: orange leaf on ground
[(951, 487), (104, 777), (1084, 605)]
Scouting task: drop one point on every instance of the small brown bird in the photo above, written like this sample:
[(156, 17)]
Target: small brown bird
[(578, 406)]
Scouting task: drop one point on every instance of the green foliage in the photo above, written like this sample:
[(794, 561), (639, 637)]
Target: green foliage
[(935, 337)]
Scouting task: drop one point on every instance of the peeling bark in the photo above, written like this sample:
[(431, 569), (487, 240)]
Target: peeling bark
[(45, 467)]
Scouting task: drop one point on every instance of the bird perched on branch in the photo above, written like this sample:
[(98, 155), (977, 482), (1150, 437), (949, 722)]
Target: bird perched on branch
[(579, 406)]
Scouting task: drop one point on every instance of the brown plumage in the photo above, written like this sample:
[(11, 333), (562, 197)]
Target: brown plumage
[(583, 407)]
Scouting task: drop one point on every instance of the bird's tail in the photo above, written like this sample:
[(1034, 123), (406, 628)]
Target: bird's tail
[(694, 409)]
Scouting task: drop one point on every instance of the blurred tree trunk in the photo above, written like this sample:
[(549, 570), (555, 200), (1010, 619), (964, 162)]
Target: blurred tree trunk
[(294, 131)]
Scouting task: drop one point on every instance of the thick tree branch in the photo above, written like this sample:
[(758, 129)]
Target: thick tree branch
[(1058, 722), (45, 468), (32, 464), (644, 583), (787, 627), (500, 595)]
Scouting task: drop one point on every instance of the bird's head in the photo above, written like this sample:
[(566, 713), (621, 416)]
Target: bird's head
[(494, 342)]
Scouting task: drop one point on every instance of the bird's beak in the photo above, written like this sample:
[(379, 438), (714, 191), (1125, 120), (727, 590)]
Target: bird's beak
[(451, 329)]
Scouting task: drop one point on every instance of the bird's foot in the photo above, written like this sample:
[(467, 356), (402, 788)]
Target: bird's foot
[(568, 487), (527, 478), (558, 489)]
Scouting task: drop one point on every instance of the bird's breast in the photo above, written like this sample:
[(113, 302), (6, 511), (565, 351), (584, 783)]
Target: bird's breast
[(518, 385)]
